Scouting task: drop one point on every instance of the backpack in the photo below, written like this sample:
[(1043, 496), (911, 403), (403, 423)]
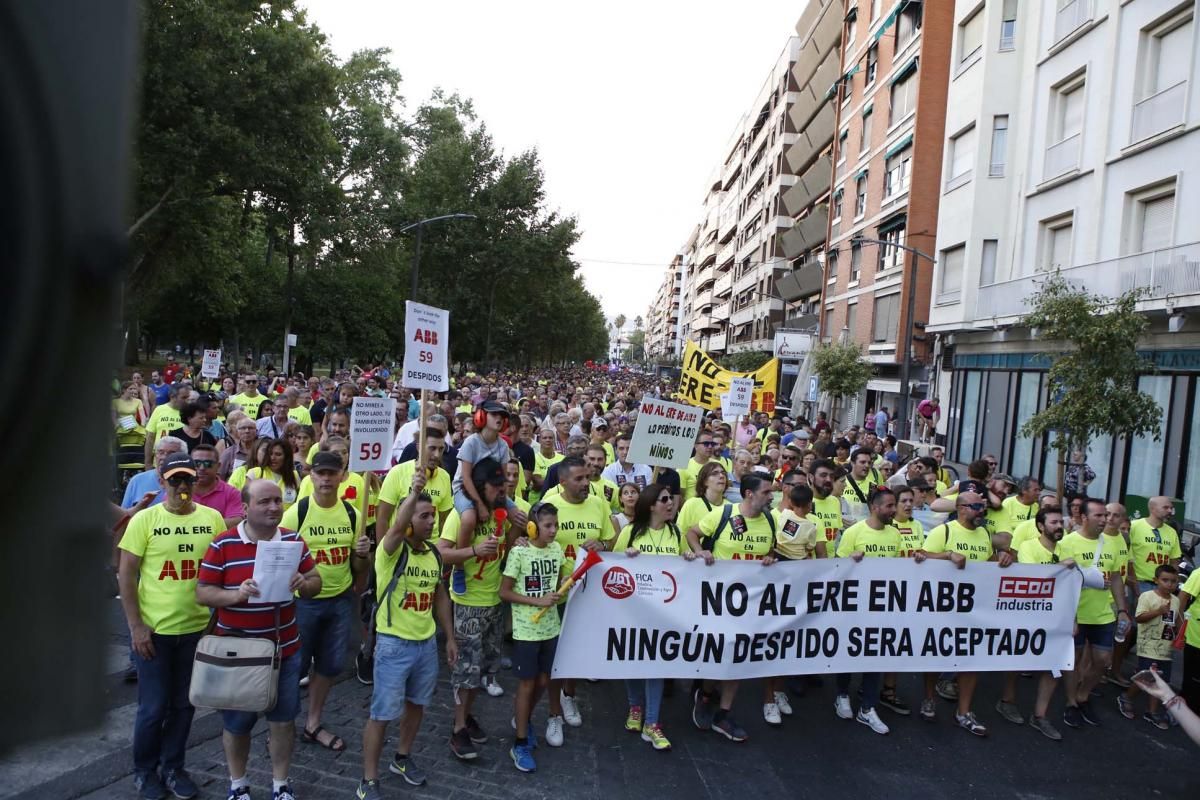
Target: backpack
[(397, 571), (726, 514), (302, 512)]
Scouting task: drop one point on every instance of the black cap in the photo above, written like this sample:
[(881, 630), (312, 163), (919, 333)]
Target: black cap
[(327, 460), (176, 463), (488, 470), (493, 407)]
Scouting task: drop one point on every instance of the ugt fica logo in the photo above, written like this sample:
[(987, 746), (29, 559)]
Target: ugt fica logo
[(618, 583)]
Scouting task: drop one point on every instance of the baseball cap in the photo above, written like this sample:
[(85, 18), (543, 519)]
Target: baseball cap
[(177, 463), (600, 422), (327, 461), (488, 470), (493, 407), (802, 435)]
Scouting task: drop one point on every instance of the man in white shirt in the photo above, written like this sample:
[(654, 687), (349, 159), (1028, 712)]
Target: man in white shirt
[(621, 471), (408, 432)]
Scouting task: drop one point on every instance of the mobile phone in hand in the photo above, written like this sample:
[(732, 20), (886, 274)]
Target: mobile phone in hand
[(1144, 677)]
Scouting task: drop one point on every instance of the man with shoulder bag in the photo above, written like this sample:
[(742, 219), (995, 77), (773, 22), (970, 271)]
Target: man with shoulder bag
[(226, 583)]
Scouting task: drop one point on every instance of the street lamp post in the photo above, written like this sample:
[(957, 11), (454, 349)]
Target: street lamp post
[(420, 225), (906, 364)]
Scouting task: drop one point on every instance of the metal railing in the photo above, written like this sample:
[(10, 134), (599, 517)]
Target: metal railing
[(1169, 272), (1062, 157), (1070, 18), (1159, 112)]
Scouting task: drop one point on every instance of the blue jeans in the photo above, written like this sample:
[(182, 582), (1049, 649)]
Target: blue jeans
[(646, 693), (164, 713), (324, 632), (870, 688)]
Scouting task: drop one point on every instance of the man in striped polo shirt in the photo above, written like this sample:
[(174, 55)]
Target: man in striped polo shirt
[(226, 583)]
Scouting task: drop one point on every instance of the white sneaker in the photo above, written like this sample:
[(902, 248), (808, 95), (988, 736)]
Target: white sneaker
[(571, 711), (781, 700), (771, 714), (554, 731), (841, 704), (493, 687), (871, 719)]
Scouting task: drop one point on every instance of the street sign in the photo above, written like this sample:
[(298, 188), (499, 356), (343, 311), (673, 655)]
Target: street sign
[(741, 391), (665, 434), (372, 422), (812, 389), (427, 352), (211, 367)]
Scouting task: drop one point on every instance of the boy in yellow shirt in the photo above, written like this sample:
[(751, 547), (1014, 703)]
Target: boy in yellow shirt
[(1157, 618)]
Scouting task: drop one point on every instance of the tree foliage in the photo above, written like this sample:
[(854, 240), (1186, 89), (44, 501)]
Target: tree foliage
[(841, 369), (746, 360), (272, 181), (1093, 375)]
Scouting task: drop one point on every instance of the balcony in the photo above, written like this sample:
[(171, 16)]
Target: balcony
[(1070, 18), (716, 344), (802, 322), (807, 233), (727, 251), (720, 313), (811, 141), (704, 323), (704, 275), (748, 280), (702, 298), (1171, 272), (723, 284), (743, 315), (1159, 112), (1063, 157), (803, 282), (811, 185)]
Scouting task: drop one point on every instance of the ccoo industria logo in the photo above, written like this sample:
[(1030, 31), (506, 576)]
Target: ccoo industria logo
[(1024, 593), (618, 583)]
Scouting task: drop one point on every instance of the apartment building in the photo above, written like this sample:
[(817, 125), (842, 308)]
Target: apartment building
[(663, 315), (1071, 143), (890, 101)]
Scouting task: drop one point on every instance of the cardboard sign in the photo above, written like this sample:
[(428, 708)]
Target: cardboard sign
[(372, 429), (211, 366), (665, 435), (741, 391), (703, 380), (427, 352)]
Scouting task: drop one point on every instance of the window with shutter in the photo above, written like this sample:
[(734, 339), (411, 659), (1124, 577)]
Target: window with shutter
[(1172, 55), (1157, 217), (1059, 250)]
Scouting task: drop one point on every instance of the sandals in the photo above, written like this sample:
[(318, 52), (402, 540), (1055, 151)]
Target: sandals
[(334, 742)]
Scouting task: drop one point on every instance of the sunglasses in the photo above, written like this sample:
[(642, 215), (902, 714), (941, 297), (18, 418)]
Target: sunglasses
[(788, 458), (665, 499), (181, 480), (203, 462), (708, 444), (974, 506), (992, 463), (1054, 558)]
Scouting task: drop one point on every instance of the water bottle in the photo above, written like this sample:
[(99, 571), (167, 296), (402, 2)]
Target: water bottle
[(1123, 626)]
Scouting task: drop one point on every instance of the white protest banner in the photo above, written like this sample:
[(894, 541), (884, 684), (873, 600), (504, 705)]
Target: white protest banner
[(741, 392), (427, 353), (665, 434), (211, 366), (725, 412), (663, 617), (372, 429)]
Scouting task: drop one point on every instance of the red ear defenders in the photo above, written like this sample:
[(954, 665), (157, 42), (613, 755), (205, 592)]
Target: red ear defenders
[(480, 419)]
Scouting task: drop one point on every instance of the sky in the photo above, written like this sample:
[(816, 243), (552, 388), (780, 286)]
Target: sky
[(630, 105)]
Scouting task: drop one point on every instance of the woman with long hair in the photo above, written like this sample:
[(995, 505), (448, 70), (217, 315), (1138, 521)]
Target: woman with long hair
[(627, 498), (278, 466), (651, 532), (711, 483)]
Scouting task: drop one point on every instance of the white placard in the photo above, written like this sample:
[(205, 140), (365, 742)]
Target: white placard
[(274, 565), (725, 412), (372, 430), (663, 617), (211, 367), (665, 435), (427, 352), (741, 392)]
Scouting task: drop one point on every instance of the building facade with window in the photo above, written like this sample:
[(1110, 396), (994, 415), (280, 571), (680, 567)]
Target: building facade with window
[(663, 316), (889, 110), (1071, 144)]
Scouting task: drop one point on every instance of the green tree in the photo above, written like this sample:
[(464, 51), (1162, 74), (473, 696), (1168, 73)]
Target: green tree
[(1094, 368), (842, 371), (746, 360)]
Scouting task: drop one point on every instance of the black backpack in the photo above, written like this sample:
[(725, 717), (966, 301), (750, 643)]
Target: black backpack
[(302, 512), (397, 571)]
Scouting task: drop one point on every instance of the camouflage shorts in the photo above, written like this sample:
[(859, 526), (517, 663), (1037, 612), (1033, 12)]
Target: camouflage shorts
[(478, 632)]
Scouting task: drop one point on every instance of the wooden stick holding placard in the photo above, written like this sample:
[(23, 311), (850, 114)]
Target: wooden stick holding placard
[(421, 431)]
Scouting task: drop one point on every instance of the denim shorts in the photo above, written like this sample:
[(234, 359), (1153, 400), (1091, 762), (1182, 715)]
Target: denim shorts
[(1098, 636), (325, 632), (405, 670), (287, 701), (462, 503)]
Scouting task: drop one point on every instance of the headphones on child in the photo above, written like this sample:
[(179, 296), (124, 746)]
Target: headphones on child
[(479, 420)]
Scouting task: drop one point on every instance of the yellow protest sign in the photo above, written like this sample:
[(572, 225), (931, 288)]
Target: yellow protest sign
[(703, 381)]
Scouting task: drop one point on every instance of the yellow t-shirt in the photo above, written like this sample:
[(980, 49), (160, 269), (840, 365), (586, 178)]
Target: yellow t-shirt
[(861, 537), (607, 491), (687, 478), (411, 602), (163, 420), (1116, 544), (330, 538), (653, 541), (300, 414), (796, 538), (290, 495), (998, 520), (1032, 551), (249, 404), (171, 547), (828, 514), (1151, 547), (483, 574), (398, 483), (912, 536), (353, 481), (693, 510), (1191, 634), (1156, 638), (975, 545), (1019, 512), (541, 464), (1023, 532), (741, 539), (1095, 605), (579, 522)]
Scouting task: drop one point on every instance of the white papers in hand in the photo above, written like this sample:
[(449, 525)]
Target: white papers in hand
[(274, 565)]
